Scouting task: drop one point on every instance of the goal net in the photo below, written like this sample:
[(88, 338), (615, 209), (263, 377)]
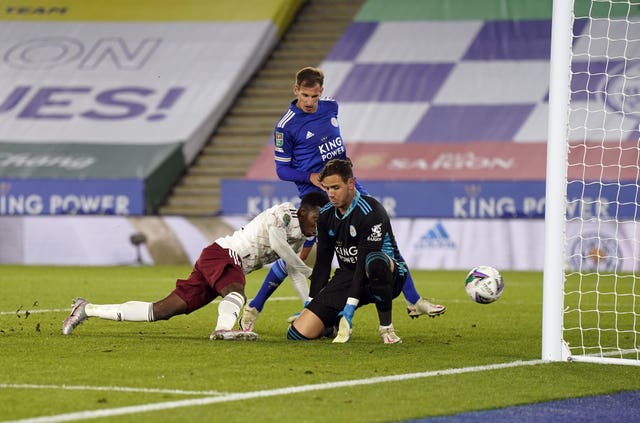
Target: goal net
[(591, 300)]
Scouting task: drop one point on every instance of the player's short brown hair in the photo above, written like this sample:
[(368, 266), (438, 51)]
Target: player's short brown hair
[(309, 77), (343, 168)]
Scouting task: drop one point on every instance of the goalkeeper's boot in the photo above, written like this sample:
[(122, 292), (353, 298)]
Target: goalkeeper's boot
[(77, 316), (248, 319), (423, 306), (388, 335), (233, 335)]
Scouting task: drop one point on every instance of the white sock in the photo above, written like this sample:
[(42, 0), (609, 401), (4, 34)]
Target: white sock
[(229, 310), (132, 311)]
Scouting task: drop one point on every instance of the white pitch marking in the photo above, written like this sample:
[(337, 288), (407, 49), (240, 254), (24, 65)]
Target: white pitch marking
[(109, 389), (120, 411), (23, 311)]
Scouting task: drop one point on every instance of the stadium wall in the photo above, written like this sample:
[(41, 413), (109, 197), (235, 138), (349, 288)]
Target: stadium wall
[(450, 244), (132, 87)]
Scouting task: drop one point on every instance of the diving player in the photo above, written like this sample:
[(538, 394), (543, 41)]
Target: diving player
[(220, 271)]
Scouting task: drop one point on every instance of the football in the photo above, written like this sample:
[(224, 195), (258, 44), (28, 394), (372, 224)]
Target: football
[(484, 284)]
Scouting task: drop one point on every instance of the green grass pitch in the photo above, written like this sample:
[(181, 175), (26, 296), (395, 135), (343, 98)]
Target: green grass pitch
[(170, 371)]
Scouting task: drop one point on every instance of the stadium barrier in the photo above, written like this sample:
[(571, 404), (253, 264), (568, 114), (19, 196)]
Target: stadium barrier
[(450, 244)]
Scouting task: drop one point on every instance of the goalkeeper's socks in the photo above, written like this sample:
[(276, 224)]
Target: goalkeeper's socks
[(276, 275), (409, 290), (132, 311), (229, 310), (294, 335)]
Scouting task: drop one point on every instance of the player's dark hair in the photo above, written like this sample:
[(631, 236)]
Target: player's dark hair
[(314, 199), (309, 77), (344, 168)]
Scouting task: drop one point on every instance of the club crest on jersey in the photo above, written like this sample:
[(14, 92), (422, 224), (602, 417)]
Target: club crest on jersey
[(352, 231), (279, 139), (286, 218), (334, 121), (376, 233)]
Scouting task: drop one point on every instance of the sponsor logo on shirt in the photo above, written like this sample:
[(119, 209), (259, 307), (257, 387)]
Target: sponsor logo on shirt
[(376, 233), (330, 150), (310, 134), (347, 254)]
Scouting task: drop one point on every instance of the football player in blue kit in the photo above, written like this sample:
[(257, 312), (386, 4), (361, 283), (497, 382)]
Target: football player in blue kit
[(306, 137)]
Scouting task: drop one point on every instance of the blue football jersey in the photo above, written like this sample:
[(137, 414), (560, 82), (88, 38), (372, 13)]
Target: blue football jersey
[(304, 142)]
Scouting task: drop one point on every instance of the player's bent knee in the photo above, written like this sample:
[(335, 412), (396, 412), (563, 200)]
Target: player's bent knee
[(377, 267), (377, 264), (307, 326), (236, 288)]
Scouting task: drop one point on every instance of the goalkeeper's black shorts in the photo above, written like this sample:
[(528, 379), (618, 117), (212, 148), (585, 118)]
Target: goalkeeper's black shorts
[(332, 298)]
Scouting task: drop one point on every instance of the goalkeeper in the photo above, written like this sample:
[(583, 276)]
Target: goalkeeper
[(306, 138), (356, 228)]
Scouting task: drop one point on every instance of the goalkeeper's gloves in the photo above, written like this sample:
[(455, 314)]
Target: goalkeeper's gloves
[(345, 325)]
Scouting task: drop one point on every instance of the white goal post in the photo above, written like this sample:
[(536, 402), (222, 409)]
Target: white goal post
[(591, 283)]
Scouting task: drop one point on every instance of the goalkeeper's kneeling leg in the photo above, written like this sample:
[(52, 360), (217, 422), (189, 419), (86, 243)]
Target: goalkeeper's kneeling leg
[(378, 268)]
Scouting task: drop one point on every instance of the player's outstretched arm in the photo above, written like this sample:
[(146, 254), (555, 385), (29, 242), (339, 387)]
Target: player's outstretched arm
[(279, 244), (300, 284)]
